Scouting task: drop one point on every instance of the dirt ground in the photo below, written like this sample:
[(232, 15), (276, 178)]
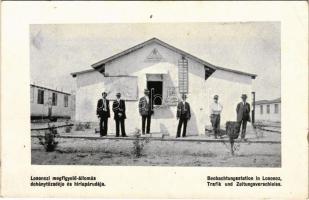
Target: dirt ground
[(118, 152), (156, 153)]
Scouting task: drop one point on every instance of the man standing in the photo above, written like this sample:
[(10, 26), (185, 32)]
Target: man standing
[(103, 113), (183, 115), (145, 110), (243, 115), (119, 108), (215, 111)]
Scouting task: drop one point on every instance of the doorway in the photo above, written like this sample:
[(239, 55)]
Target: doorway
[(156, 92)]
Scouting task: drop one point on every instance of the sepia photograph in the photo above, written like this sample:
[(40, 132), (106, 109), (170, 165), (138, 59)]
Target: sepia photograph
[(156, 94), (146, 100)]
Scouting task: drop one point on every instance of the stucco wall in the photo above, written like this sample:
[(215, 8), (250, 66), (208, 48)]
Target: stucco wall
[(229, 87), (271, 116)]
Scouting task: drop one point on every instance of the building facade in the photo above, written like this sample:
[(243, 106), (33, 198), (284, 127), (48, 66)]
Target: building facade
[(167, 72), (50, 103), (268, 110)]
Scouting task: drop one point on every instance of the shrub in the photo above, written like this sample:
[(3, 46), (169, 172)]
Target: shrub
[(48, 141), (87, 125), (139, 143), (79, 127), (68, 128)]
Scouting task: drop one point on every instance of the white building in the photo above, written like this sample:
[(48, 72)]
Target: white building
[(46, 102), (167, 71), (268, 110)]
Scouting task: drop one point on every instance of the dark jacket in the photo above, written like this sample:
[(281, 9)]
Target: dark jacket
[(101, 111), (119, 108), (144, 107), (183, 110), (243, 112)]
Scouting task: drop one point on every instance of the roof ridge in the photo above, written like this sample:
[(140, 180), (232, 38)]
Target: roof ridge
[(98, 65)]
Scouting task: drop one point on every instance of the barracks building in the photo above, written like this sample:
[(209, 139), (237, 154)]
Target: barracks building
[(167, 72)]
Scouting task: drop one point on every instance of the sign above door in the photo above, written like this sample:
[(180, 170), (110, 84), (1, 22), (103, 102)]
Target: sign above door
[(154, 56)]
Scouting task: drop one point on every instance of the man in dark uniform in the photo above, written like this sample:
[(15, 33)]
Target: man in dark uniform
[(119, 108), (243, 115), (183, 115), (103, 113), (145, 111)]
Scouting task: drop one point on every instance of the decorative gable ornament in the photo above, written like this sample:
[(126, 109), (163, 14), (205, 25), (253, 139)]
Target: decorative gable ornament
[(154, 56)]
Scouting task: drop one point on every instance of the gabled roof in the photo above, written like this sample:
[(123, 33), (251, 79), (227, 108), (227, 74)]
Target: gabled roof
[(82, 72), (278, 100), (100, 64), (46, 88)]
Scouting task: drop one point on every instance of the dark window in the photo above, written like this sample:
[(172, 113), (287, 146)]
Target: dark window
[(276, 108), (102, 69), (208, 72), (54, 99), (40, 96), (66, 100), (261, 109), (156, 91), (268, 109)]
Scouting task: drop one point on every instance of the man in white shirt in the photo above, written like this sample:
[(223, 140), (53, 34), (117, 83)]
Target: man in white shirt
[(215, 111)]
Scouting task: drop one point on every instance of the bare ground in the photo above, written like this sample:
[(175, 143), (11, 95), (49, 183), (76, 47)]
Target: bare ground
[(156, 153)]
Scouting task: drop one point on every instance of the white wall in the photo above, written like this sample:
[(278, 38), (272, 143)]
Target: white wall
[(271, 116), (89, 88), (42, 109), (229, 86)]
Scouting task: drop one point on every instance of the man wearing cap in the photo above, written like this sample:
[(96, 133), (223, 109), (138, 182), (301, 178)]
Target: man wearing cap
[(145, 110), (119, 108), (183, 115), (103, 113), (243, 115), (215, 111)]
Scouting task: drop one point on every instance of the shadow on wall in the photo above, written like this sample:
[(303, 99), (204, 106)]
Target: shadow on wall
[(163, 113), (192, 128)]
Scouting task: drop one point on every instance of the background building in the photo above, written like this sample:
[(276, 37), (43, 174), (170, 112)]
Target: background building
[(268, 110), (167, 71), (46, 102)]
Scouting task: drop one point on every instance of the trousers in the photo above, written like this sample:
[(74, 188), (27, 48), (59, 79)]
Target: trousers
[(120, 122), (182, 121), (215, 122), (103, 126), (243, 124), (144, 119)]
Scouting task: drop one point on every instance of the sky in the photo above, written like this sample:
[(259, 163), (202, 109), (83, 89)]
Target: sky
[(56, 50)]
